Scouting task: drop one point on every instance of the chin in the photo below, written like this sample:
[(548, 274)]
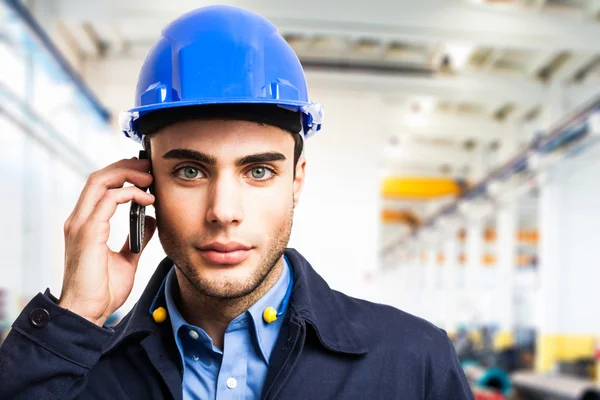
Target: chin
[(226, 281)]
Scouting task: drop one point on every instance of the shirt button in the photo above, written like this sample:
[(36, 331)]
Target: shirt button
[(231, 383), (194, 335), (39, 317)]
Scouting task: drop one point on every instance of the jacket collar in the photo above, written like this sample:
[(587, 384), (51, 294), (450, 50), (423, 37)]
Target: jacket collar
[(312, 300), (139, 321)]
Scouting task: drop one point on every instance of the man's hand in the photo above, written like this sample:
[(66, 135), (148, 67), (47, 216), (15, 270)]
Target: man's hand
[(97, 280)]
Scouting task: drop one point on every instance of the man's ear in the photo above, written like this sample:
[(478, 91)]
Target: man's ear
[(299, 179)]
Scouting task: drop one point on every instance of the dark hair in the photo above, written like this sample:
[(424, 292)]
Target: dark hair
[(264, 114)]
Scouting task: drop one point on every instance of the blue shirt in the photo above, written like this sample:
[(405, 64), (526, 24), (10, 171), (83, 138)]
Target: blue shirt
[(239, 371)]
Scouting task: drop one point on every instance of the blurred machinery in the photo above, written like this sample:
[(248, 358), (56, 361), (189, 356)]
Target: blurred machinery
[(507, 374), (486, 369), (531, 386), (421, 188)]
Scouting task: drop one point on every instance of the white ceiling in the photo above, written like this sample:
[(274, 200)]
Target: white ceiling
[(471, 70)]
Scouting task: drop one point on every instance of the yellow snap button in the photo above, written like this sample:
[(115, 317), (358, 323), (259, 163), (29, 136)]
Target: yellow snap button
[(269, 315), (159, 315)]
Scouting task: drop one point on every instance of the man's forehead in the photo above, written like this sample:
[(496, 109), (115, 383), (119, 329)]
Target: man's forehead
[(223, 137)]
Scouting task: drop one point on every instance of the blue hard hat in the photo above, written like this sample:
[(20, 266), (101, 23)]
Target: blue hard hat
[(221, 55)]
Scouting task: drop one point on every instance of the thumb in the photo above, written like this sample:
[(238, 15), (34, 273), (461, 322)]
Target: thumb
[(149, 229)]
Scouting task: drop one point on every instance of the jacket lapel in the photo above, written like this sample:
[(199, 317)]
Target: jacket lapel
[(156, 339)]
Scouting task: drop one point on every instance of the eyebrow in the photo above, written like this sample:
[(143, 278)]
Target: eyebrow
[(187, 154), (260, 158)]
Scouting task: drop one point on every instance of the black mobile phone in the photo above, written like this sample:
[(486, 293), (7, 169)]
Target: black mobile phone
[(137, 217)]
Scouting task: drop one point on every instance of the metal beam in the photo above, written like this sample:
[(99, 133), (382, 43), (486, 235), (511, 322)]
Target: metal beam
[(398, 168), (414, 156), (575, 63), (114, 41), (490, 62), (425, 21), (86, 44), (42, 37), (471, 88), (453, 128), (429, 168), (539, 61), (479, 88), (575, 95)]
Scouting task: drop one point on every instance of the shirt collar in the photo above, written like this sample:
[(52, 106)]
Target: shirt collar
[(264, 334), (312, 300), (167, 292)]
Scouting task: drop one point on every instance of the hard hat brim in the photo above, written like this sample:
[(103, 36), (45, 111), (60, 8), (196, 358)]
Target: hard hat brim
[(312, 113)]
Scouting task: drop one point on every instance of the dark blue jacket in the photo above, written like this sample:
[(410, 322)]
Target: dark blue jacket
[(331, 346)]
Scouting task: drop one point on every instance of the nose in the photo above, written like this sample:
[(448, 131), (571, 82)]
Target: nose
[(225, 202)]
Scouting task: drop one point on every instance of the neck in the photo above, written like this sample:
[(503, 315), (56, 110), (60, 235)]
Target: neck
[(214, 314)]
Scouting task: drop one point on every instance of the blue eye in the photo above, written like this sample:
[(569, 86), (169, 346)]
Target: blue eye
[(259, 173), (189, 173)]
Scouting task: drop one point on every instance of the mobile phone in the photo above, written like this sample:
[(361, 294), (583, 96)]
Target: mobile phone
[(137, 217)]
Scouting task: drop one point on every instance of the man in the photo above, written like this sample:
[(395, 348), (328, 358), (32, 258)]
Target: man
[(222, 110)]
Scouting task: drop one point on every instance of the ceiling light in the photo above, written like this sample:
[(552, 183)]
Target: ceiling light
[(459, 54)]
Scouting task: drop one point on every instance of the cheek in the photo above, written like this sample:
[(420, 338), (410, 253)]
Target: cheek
[(268, 206), (180, 207)]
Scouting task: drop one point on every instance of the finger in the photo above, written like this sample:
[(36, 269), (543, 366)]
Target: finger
[(97, 189), (112, 198), (149, 229), (132, 163), (97, 178)]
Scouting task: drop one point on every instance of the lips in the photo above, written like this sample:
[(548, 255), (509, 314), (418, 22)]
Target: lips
[(230, 253)]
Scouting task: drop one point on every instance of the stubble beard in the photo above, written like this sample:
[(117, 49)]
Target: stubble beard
[(176, 250)]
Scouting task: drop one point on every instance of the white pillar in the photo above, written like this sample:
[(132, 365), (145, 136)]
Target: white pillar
[(506, 228), (430, 300), (548, 302), (412, 281), (420, 281), (417, 282), (449, 284), (473, 270), (404, 284), (438, 287)]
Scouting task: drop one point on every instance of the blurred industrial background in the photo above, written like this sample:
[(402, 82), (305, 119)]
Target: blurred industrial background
[(456, 177)]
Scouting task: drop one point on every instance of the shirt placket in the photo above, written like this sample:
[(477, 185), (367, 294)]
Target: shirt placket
[(231, 383), (201, 364)]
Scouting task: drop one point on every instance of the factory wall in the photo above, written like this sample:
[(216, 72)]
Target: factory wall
[(568, 321), (336, 225), (52, 138)]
